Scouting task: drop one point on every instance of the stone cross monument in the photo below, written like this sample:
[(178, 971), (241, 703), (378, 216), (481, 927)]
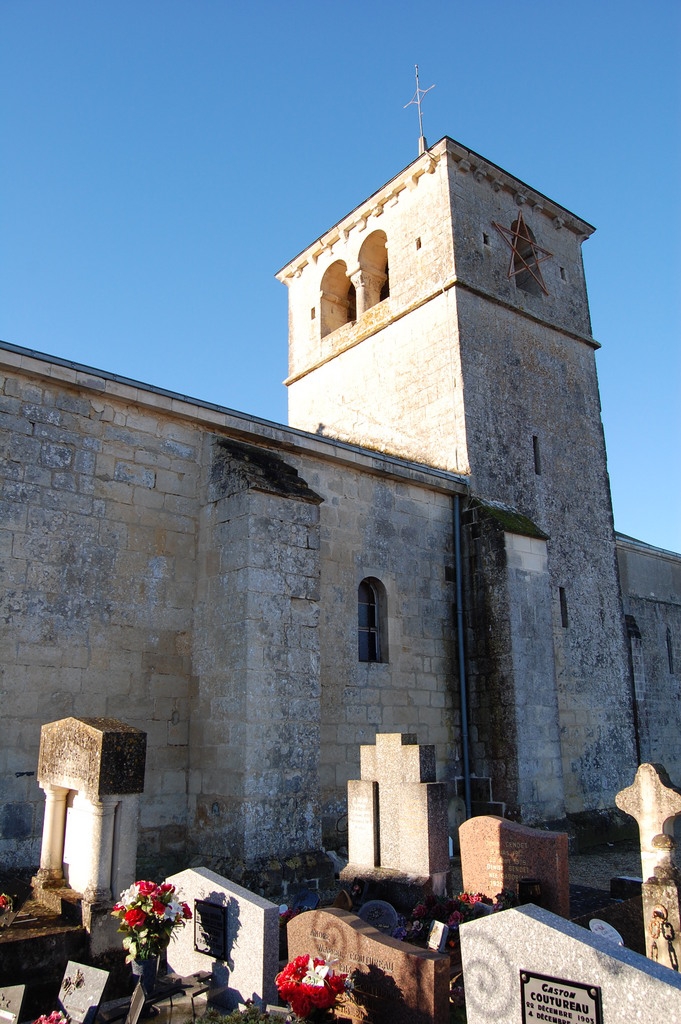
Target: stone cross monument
[(397, 820), (654, 802)]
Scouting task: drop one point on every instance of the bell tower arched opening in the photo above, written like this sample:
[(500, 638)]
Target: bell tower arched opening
[(338, 303)]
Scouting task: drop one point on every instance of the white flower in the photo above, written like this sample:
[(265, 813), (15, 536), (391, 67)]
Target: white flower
[(173, 910), (315, 974), (130, 895)]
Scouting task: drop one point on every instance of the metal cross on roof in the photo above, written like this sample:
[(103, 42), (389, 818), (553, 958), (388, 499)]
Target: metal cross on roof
[(525, 253), (416, 99)]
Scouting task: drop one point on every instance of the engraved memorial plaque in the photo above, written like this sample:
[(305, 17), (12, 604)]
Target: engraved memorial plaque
[(136, 1005), (11, 999), (555, 999), (81, 992), (379, 914), (210, 929)]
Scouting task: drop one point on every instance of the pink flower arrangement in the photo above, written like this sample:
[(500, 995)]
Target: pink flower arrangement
[(452, 912), (56, 1017), (148, 914), (310, 986)]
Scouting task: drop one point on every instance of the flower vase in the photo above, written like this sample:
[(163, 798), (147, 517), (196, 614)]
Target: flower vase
[(146, 972)]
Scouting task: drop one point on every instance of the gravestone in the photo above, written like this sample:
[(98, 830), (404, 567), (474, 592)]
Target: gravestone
[(397, 821), (92, 772), (234, 935), (395, 982), (654, 802), (529, 965), (496, 854), (306, 900), (11, 999), (380, 915), (81, 992)]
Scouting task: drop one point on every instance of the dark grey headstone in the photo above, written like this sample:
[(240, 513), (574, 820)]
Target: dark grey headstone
[(10, 1003), (623, 887), (81, 992), (306, 900), (380, 915)]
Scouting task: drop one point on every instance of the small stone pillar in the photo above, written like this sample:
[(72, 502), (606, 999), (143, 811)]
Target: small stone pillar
[(92, 772), (368, 285), (51, 873)]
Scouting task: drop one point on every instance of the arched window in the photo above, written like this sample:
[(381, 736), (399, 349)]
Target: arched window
[(374, 277), (338, 303), (371, 619)]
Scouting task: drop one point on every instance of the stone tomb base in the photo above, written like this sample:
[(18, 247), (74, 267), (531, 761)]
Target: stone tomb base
[(402, 890)]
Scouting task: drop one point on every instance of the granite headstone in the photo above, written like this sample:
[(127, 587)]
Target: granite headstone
[(395, 982), (529, 965), (397, 820), (250, 961), (496, 854)]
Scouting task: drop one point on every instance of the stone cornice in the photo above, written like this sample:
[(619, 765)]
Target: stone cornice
[(469, 162), (466, 161)]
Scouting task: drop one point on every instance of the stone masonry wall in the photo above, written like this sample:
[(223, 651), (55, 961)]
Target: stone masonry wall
[(525, 380), (98, 536), (513, 710), (194, 573), (651, 589), (254, 785), (401, 535)]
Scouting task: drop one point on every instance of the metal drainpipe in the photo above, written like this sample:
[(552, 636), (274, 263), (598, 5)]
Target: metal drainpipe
[(462, 660)]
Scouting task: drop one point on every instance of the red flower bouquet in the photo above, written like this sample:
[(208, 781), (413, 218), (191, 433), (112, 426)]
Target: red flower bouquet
[(148, 914), (6, 903), (311, 987)]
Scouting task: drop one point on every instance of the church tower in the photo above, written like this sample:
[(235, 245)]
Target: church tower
[(445, 320)]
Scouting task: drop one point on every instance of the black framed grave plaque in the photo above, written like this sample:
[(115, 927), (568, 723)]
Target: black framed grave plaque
[(210, 929), (555, 999)]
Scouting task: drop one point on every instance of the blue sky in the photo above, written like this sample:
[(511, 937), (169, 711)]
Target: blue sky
[(161, 159)]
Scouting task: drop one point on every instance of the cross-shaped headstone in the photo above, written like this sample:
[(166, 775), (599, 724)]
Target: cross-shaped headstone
[(397, 812), (654, 802)]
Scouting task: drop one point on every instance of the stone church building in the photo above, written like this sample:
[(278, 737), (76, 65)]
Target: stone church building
[(428, 547)]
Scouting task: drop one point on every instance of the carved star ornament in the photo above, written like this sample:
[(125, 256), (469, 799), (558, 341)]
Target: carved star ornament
[(526, 255)]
